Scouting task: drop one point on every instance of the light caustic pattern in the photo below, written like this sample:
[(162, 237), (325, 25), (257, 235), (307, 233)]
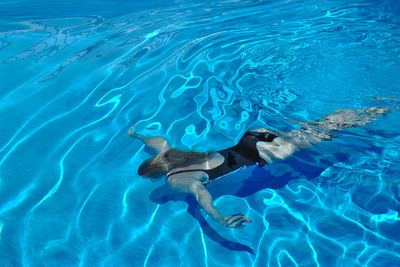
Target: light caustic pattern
[(200, 75)]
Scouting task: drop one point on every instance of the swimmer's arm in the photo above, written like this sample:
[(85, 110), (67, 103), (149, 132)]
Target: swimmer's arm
[(193, 185), (158, 143)]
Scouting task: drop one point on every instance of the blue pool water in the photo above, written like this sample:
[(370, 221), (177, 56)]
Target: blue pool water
[(74, 75)]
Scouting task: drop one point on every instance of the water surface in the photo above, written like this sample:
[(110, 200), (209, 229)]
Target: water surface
[(75, 75)]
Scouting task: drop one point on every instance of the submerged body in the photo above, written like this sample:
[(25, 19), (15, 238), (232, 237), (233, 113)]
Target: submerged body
[(191, 171), (223, 162)]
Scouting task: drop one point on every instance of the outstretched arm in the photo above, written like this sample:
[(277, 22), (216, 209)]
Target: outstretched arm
[(191, 182), (315, 132), (158, 143)]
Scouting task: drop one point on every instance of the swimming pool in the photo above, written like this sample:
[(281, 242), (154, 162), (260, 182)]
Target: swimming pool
[(74, 76)]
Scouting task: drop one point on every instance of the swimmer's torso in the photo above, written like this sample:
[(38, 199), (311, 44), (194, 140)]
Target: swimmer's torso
[(218, 164), (213, 160)]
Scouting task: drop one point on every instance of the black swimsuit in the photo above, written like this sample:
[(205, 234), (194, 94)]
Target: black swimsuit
[(245, 153)]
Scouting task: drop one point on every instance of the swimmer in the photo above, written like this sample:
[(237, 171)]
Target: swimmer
[(191, 171)]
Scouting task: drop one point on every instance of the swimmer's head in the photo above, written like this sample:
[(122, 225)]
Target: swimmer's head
[(161, 164), (153, 168)]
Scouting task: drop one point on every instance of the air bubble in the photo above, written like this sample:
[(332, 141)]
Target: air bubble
[(190, 129), (244, 115)]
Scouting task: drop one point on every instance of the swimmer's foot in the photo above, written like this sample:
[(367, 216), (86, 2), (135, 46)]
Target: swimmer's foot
[(235, 221), (314, 132), (345, 118), (385, 98)]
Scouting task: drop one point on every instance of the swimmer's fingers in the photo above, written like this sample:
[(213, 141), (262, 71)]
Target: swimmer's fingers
[(131, 132), (236, 221)]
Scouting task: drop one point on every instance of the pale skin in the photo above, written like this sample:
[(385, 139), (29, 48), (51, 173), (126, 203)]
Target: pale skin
[(192, 183), (283, 146)]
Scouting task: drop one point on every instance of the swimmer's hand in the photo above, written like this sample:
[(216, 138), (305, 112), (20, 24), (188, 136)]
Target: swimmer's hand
[(235, 221), (132, 132)]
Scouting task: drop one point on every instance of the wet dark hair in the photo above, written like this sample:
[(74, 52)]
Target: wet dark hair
[(161, 164)]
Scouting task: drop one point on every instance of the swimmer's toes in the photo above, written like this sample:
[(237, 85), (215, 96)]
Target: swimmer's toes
[(245, 219)]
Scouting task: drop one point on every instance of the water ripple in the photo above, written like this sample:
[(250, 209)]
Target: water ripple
[(199, 74)]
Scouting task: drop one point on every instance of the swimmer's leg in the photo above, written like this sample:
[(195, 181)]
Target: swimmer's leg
[(345, 118), (315, 132), (192, 182)]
